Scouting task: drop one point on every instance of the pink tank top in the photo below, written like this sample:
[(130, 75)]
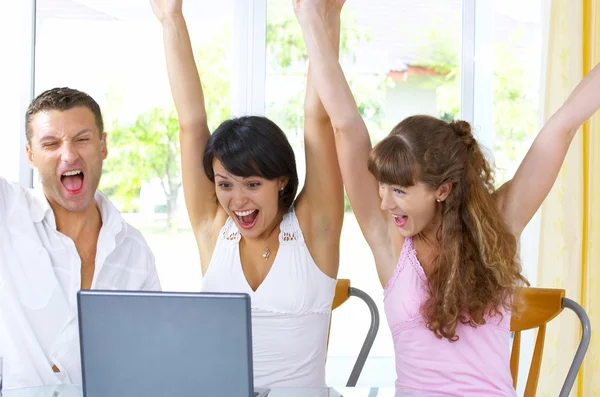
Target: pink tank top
[(475, 365)]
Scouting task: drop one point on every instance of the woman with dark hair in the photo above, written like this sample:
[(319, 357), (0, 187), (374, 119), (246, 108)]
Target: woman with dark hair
[(444, 239), (253, 234)]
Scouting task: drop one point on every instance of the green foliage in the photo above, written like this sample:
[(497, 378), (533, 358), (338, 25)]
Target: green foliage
[(146, 150), (515, 111), (287, 58), (149, 148), (515, 101), (212, 59), (285, 44), (439, 48), (286, 55)]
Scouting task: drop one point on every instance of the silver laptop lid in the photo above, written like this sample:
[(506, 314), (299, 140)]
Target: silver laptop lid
[(165, 344)]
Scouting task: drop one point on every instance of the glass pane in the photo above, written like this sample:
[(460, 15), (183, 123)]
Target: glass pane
[(517, 67), (15, 45), (401, 58), (515, 47), (113, 50)]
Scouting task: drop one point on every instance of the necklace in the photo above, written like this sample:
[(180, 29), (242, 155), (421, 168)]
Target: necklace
[(266, 254)]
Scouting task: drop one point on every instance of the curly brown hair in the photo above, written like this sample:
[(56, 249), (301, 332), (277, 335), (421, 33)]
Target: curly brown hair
[(476, 271)]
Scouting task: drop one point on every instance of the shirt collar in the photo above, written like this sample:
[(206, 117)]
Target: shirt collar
[(111, 217), (112, 220), (39, 207)]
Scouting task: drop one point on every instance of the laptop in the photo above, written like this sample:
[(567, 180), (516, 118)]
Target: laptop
[(136, 344)]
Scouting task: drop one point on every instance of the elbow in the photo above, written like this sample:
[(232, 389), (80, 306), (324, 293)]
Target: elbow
[(198, 129), (350, 127), (317, 115), (192, 124), (347, 119)]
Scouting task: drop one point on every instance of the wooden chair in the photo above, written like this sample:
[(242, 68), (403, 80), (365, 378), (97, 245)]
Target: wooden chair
[(343, 291), (540, 306)]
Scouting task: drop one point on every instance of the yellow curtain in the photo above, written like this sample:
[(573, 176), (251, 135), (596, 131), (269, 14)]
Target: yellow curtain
[(569, 255), (589, 382)]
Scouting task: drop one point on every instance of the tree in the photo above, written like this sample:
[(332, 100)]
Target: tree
[(287, 57), (286, 54), (149, 149), (515, 96)]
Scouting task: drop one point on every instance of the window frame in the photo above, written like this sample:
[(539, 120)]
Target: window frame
[(249, 78)]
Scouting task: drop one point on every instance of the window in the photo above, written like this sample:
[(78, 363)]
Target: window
[(510, 52), (401, 58), (113, 50), (16, 45)]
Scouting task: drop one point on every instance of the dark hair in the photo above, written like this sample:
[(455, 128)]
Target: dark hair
[(253, 146), (61, 99), (476, 271)]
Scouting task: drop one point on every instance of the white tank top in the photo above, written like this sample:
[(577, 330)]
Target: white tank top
[(290, 309)]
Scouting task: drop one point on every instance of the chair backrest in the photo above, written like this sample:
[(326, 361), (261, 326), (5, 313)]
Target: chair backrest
[(343, 291), (540, 306)]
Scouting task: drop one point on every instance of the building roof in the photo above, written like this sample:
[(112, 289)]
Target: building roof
[(404, 34)]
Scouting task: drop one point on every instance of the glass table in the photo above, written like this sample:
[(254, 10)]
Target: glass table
[(76, 391)]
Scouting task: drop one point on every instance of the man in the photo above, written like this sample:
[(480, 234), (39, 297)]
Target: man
[(58, 239)]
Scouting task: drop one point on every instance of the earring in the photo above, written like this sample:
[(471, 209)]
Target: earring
[(438, 200)]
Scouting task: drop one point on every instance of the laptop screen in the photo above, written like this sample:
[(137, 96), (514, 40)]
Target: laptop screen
[(165, 344)]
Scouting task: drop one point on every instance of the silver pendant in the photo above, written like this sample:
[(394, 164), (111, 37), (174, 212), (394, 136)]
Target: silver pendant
[(266, 254)]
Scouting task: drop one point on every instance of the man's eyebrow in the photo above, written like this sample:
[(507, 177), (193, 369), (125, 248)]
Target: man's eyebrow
[(82, 132), (51, 137), (47, 138)]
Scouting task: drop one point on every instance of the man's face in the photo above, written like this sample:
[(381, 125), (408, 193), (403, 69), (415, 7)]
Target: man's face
[(67, 150)]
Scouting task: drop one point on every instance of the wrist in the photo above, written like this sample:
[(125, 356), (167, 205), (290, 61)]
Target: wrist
[(307, 15), (173, 18)]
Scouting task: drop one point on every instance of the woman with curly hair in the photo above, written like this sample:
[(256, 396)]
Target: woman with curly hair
[(443, 238)]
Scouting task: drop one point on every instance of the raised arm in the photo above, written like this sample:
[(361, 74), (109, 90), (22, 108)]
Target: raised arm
[(538, 171), (351, 136), (199, 191), (320, 205)]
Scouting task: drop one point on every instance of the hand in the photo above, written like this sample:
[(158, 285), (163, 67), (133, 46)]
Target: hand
[(165, 8)]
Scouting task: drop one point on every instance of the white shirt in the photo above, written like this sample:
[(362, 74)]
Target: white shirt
[(40, 274), (291, 309)]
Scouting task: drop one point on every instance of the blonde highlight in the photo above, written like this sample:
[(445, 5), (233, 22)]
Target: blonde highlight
[(476, 272)]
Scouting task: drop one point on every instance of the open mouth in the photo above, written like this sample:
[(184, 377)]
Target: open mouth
[(400, 220), (72, 181), (246, 219)]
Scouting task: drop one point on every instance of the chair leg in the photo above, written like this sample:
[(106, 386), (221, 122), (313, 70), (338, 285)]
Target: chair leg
[(581, 349), (370, 338)]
